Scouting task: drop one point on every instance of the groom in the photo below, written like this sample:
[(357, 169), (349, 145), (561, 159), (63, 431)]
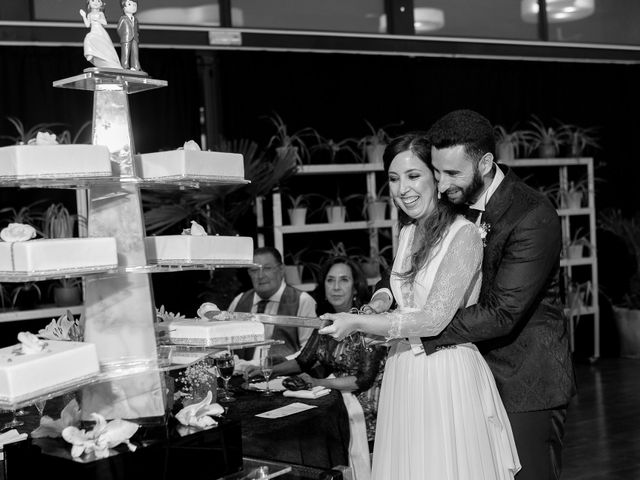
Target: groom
[(518, 324)]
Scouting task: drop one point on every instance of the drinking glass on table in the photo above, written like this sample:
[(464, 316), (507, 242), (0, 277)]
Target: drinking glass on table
[(39, 404), (225, 364), (266, 365)]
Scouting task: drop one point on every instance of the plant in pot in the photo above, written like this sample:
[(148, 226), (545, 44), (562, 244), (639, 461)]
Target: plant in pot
[(545, 141), (290, 147), (573, 196), (627, 309), (67, 292), (335, 209), (578, 245), (299, 204), (294, 267), (26, 296), (330, 151), (580, 139), (374, 206), (374, 143), (375, 262), (510, 144)]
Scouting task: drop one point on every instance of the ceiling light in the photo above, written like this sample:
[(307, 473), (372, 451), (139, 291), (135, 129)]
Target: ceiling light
[(557, 10), (424, 20)]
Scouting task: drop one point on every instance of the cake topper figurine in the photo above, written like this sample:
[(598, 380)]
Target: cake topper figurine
[(128, 32), (98, 48)]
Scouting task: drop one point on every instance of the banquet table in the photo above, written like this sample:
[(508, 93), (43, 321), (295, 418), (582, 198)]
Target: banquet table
[(318, 437)]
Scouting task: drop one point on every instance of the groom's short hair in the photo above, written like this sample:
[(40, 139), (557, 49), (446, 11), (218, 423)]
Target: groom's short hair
[(464, 127)]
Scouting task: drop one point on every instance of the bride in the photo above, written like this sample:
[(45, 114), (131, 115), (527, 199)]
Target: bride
[(98, 47), (440, 416)]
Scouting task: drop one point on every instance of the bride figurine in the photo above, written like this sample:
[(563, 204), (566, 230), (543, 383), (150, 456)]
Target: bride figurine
[(98, 48)]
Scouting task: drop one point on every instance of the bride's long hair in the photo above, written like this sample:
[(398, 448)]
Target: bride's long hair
[(431, 229)]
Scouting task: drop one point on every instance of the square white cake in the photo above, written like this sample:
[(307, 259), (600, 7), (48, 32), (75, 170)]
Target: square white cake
[(59, 364), (53, 254), (210, 333), (199, 249), (54, 161), (190, 163)]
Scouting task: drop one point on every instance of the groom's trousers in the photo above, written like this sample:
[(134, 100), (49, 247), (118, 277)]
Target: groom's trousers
[(538, 437)]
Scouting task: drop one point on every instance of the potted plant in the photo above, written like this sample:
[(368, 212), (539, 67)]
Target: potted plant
[(573, 196), (334, 150), (335, 209), (26, 296), (299, 206), (291, 148), (374, 206), (626, 311), (510, 144), (545, 141), (580, 139), (294, 267), (373, 263), (27, 214), (57, 222), (67, 292), (374, 143), (576, 246)]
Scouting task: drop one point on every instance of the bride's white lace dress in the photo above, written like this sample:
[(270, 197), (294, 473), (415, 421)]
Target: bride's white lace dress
[(440, 416)]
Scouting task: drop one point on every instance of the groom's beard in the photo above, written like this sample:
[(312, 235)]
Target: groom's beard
[(469, 194)]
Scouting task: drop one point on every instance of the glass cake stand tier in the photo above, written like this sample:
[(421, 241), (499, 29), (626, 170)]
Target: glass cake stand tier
[(19, 277), (213, 349), (178, 181), (94, 78)]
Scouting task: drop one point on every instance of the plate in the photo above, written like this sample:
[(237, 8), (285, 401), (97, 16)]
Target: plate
[(275, 385)]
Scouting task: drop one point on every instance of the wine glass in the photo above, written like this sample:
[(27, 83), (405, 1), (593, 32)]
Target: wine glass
[(225, 364), (39, 404), (266, 365), (13, 423)]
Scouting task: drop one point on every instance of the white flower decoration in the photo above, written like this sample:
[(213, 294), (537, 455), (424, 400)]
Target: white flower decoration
[(191, 145), (44, 138), (484, 228), (17, 232), (30, 344), (165, 316)]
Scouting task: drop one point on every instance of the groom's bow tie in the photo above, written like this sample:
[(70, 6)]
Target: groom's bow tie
[(472, 214)]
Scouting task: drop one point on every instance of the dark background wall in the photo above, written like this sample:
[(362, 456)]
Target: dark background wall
[(335, 94)]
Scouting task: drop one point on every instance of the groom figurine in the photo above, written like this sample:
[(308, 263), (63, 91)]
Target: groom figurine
[(518, 323), (128, 33)]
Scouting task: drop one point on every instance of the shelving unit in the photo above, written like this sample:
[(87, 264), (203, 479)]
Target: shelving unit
[(280, 230), (583, 269)]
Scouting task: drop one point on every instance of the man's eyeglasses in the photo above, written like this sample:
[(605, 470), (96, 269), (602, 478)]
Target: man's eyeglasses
[(264, 269)]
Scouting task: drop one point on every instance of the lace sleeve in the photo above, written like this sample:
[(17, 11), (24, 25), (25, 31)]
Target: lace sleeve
[(456, 277)]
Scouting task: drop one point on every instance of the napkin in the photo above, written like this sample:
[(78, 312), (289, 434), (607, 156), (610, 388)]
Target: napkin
[(198, 414), (315, 392)]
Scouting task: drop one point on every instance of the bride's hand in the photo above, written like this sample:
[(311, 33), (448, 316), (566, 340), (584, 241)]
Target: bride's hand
[(343, 325), (83, 14)]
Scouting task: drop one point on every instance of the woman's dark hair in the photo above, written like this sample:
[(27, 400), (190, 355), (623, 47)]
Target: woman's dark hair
[(359, 284), (431, 229)]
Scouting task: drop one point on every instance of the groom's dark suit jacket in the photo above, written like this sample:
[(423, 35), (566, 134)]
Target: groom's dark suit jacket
[(519, 324)]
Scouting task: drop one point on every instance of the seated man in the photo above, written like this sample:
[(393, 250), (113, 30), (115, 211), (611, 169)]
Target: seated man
[(271, 295)]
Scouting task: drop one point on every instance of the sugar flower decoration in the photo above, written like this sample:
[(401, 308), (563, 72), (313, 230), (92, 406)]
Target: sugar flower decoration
[(198, 414), (101, 438), (17, 232), (44, 138), (484, 229), (196, 230), (207, 311), (191, 145), (30, 344), (66, 327), (69, 417), (165, 316)]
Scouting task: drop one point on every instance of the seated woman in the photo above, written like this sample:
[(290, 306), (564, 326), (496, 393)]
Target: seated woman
[(348, 366)]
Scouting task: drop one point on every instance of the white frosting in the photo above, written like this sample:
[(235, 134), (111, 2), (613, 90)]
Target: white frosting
[(17, 232), (189, 248), (46, 255), (54, 161), (190, 163), (59, 363), (208, 333)]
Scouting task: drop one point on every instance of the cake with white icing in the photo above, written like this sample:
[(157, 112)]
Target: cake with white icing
[(34, 367), (198, 247), (58, 254), (209, 333), (190, 162), (47, 159)]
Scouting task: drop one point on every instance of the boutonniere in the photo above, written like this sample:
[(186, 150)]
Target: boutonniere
[(484, 228)]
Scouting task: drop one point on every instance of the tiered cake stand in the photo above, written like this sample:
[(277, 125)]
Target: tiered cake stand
[(119, 307)]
